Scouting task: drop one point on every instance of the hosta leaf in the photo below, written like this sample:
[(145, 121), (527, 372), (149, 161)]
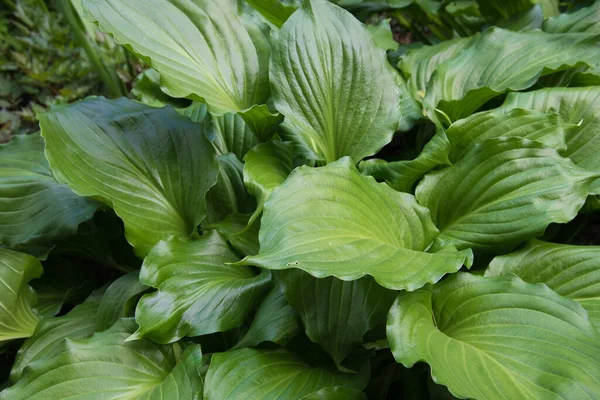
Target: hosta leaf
[(78, 323), (198, 292), (449, 146), (274, 11), (275, 321), (242, 237), (333, 221), (147, 90), (464, 83), (119, 300), (336, 314), (571, 271), (201, 48), (152, 165), (34, 207), (333, 85), (229, 195), (17, 319), (382, 35), (501, 193), (266, 167), (232, 135), (584, 20), (579, 106), (105, 366), (336, 393), (418, 65), (498, 338), (248, 374)]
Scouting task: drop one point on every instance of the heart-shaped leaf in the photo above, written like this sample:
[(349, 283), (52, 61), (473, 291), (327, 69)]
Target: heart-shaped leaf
[(493, 338)]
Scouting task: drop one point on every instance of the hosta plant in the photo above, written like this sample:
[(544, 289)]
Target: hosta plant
[(290, 212)]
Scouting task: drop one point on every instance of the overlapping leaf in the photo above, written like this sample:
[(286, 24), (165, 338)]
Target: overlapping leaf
[(579, 106), (201, 48), (502, 60), (119, 300), (585, 20), (333, 221), (34, 207), (151, 165), (79, 323), (17, 319), (333, 85), (198, 291), (501, 193), (571, 271), (449, 146), (105, 366), (492, 338), (336, 314), (248, 374)]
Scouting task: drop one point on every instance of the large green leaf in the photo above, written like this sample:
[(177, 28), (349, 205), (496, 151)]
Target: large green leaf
[(336, 393), (229, 195), (501, 193), (151, 165), (248, 374), (336, 314), (198, 291), (79, 323), (333, 221), (501, 60), (119, 300), (448, 146), (275, 321), (105, 366), (201, 48), (233, 135), (584, 20), (418, 65), (579, 106), (34, 207), (266, 167), (17, 319), (333, 85), (571, 271), (242, 237), (498, 338)]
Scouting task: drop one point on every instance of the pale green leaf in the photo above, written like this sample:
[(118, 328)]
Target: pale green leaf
[(105, 366), (498, 338), (198, 291), (232, 135), (34, 207), (579, 106), (501, 60), (17, 319), (274, 11), (147, 90), (333, 221), (449, 146), (336, 314), (266, 167), (571, 271), (501, 193), (382, 35), (201, 48), (119, 300), (275, 321), (586, 19), (248, 374), (151, 165), (79, 323), (333, 85)]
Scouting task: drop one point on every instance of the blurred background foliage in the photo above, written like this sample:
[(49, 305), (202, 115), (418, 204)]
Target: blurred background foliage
[(49, 56)]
